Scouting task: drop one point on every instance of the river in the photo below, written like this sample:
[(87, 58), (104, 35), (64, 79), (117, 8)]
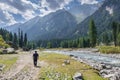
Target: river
[(90, 56)]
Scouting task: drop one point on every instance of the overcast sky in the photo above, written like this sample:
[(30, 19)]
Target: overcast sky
[(16, 11)]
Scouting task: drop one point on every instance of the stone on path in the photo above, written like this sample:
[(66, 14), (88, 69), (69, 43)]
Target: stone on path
[(77, 76), (2, 67)]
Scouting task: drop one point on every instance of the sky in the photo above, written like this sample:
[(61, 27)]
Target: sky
[(19, 11)]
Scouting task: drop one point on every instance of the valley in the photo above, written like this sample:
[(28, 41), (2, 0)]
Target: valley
[(23, 68), (75, 39)]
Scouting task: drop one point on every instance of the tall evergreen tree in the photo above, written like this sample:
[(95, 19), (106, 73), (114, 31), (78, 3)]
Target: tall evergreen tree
[(15, 41), (118, 39), (62, 44), (49, 45), (10, 36), (21, 39), (105, 38), (92, 33), (114, 30), (25, 39)]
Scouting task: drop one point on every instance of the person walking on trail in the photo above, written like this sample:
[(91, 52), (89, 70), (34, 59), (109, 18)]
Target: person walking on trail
[(35, 58)]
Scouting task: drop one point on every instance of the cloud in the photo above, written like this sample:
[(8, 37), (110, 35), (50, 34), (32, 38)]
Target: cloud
[(24, 8), (6, 17), (48, 6), (28, 9), (88, 2), (110, 10)]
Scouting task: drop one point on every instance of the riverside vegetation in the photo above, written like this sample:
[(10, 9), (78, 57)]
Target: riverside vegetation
[(109, 49)]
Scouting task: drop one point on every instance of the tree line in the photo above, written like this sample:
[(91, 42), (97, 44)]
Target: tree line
[(93, 39), (82, 42), (109, 37), (13, 39)]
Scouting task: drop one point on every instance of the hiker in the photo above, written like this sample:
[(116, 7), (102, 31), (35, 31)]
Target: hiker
[(35, 58)]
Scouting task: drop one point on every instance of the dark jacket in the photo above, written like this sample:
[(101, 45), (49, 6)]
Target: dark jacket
[(35, 56)]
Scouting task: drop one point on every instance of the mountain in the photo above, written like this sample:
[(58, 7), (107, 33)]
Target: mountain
[(103, 17), (13, 27), (56, 25)]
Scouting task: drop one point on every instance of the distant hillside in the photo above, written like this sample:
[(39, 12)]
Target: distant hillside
[(57, 25), (103, 17)]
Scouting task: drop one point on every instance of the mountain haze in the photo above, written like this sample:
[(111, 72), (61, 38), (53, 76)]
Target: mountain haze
[(103, 17), (56, 25)]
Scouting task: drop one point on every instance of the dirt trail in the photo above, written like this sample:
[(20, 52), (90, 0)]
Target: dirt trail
[(23, 69)]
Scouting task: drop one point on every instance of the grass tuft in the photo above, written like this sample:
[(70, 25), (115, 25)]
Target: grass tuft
[(8, 61)]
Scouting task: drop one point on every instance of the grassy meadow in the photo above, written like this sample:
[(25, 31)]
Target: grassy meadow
[(54, 70), (8, 61)]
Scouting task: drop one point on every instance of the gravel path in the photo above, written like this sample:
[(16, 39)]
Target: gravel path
[(23, 69)]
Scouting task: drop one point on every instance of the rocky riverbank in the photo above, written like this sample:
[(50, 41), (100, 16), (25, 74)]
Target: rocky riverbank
[(105, 70), (108, 65)]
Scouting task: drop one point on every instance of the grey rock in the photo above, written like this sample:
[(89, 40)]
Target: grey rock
[(2, 67), (107, 67), (4, 51), (66, 62), (77, 76)]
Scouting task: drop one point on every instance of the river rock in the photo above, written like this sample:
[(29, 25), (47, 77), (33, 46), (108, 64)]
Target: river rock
[(66, 62), (77, 76), (2, 67), (115, 76), (112, 74), (108, 66), (63, 64), (104, 73), (5, 51), (76, 56), (71, 55), (11, 50), (97, 66)]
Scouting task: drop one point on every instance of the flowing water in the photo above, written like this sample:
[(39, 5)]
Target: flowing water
[(87, 55)]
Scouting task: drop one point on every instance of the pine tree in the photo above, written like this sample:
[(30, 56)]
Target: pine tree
[(92, 34), (25, 39), (114, 30), (15, 41), (105, 38), (118, 39), (49, 45), (62, 44), (10, 37), (21, 39), (118, 34)]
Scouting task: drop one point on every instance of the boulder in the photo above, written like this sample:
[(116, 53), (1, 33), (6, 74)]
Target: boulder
[(97, 66), (108, 66), (5, 51), (66, 62), (71, 55), (116, 76), (77, 76), (10, 50)]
